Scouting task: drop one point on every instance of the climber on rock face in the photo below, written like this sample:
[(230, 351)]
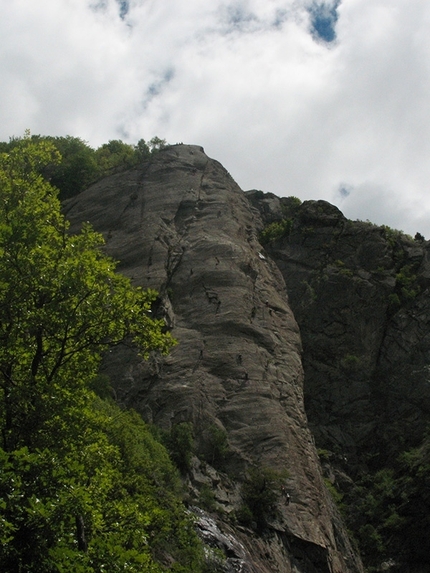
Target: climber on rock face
[(286, 495)]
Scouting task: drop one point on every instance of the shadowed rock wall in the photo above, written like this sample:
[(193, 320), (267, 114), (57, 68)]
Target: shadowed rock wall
[(360, 294)]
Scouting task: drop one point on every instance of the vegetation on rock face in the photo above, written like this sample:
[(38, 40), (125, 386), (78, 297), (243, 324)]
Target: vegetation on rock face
[(282, 228), (180, 444), (83, 485), (218, 448), (388, 511), (275, 231), (260, 492)]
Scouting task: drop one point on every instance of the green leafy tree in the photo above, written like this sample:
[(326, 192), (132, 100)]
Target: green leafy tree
[(180, 443), (115, 155), (261, 492), (62, 303), (388, 512), (155, 144), (275, 231), (82, 165), (142, 150), (83, 486), (218, 448), (110, 500), (413, 523), (78, 168)]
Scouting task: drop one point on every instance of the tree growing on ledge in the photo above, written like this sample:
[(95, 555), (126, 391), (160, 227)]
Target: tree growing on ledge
[(69, 497)]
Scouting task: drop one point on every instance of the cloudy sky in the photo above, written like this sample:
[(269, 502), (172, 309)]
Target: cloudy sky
[(321, 99)]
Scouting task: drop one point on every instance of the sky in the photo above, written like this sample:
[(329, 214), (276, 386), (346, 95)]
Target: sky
[(319, 99)]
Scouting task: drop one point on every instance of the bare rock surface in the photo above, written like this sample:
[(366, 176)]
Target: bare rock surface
[(360, 294), (181, 225)]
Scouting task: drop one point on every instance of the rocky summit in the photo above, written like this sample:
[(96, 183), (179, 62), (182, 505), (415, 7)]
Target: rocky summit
[(324, 313)]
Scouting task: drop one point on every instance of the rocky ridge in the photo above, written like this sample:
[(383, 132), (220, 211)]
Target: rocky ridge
[(360, 294), (181, 225)]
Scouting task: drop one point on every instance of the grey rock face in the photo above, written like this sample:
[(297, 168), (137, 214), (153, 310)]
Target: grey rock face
[(181, 225), (360, 294)]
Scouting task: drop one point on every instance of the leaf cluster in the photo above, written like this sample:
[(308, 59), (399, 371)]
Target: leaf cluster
[(218, 449), (275, 231), (61, 301), (260, 493), (84, 486), (82, 165), (388, 511), (110, 500), (180, 444)]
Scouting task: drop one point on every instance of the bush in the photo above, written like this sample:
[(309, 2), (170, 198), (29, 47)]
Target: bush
[(218, 448), (290, 206), (207, 498), (276, 231), (261, 493), (180, 444), (406, 283)]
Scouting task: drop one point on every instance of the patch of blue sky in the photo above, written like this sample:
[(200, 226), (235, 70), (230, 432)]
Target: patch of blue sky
[(345, 190), (156, 87), (101, 5), (98, 5), (280, 17), (238, 19), (323, 19), (124, 7)]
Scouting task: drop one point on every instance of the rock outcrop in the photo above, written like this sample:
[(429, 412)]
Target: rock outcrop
[(181, 225), (360, 294)]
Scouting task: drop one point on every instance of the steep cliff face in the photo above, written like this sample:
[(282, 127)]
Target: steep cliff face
[(360, 294), (181, 225)]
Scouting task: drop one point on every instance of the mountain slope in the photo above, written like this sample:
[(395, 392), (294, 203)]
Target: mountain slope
[(360, 294), (181, 225)]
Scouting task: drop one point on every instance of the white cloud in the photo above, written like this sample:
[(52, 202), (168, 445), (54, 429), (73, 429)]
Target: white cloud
[(248, 80)]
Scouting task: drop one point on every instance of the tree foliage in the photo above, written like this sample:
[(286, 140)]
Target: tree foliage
[(108, 500), (180, 444), (83, 486), (82, 165), (261, 493), (61, 301), (275, 231), (217, 446), (388, 512)]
